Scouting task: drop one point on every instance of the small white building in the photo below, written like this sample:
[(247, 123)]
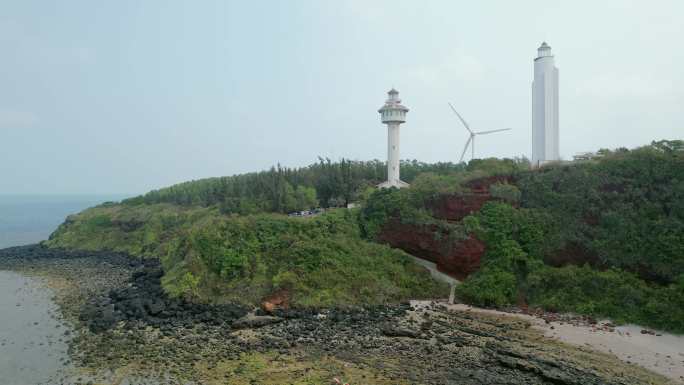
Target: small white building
[(582, 156), (544, 108), (393, 114), (588, 155)]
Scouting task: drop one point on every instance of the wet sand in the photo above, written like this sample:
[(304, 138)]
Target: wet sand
[(662, 353), (33, 347)]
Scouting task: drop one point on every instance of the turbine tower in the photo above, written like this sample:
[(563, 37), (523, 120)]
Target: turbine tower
[(471, 140), (393, 114), (544, 108)]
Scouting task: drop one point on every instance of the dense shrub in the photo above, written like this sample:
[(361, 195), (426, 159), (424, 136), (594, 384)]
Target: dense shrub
[(613, 293), (320, 261), (513, 273), (504, 191), (490, 287), (209, 256), (627, 208), (385, 204)]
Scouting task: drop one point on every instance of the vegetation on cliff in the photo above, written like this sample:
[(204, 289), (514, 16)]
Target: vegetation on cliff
[(212, 257), (514, 272), (603, 237), (625, 210), (414, 205), (225, 239), (320, 261)]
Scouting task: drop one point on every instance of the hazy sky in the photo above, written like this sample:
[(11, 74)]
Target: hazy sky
[(126, 96)]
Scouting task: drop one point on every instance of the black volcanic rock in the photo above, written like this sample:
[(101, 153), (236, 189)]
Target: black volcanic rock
[(145, 301)]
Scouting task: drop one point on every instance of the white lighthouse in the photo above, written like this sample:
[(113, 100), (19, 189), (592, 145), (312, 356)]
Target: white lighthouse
[(393, 114), (544, 108)]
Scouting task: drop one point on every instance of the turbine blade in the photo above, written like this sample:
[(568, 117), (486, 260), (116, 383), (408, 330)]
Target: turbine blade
[(465, 148), (462, 121), (491, 131)]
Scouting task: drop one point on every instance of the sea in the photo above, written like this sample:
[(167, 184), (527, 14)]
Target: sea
[(33, 349), (26, 219)]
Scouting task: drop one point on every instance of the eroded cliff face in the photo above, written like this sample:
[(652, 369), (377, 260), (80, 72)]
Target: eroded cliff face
[(456, 207), (417, 240), (456, 257), (464, 259)]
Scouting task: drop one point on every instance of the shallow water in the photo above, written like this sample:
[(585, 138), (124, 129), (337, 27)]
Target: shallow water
[(32, 341)]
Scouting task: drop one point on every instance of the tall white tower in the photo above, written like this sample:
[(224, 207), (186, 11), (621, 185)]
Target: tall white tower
[(544, 108), (393, 114)]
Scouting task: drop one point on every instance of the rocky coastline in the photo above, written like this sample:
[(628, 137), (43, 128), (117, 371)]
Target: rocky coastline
[(126, 327)]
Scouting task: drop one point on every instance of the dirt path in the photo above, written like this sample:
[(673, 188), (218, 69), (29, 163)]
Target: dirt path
[(436, 274)]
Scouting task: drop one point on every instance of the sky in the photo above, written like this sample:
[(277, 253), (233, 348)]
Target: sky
[(121, 97)]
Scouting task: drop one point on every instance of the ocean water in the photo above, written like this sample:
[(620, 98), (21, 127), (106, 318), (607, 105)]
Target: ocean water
[(26, 219), (33, 343)]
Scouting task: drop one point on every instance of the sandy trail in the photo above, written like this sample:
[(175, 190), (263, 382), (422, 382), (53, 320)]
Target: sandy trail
[(662, 353), (436, 274)]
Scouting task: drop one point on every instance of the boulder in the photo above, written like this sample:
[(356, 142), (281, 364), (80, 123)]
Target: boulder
[(280, 299)]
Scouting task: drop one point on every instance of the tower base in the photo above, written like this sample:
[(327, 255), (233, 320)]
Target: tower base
[(395, 183)]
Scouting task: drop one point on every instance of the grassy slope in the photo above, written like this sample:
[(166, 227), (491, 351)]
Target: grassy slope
[(208, 256), (142, 230)]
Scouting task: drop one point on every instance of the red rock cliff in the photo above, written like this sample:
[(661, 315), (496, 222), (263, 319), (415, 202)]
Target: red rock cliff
[(456, 207), (458, 258)]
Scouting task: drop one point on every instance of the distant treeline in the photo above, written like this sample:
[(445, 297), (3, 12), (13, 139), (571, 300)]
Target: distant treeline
[(283, 189)]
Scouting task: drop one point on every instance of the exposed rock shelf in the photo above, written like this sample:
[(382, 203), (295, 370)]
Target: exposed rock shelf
[(155, 336)]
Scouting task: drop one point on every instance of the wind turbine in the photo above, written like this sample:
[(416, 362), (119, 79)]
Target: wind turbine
[(471, 140)]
